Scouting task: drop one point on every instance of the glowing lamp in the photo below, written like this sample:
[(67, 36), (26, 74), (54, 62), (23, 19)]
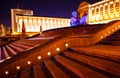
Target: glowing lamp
[(18, 67), (57, 49), (66, 44), (49, 53), (6, 72), (39, 57), (29, 62), (101, 37)]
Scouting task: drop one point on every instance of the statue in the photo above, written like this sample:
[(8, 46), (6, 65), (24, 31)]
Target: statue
[(83, 20), (74, 21)]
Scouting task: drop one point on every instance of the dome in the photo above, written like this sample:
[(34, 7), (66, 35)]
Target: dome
[(83, 8)]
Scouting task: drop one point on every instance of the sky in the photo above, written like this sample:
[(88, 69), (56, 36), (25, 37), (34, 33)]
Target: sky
[(47, 8)]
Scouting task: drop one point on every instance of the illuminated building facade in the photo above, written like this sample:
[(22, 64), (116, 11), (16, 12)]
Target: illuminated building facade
[(4, 30), (100, 12), (14, 13), (33, 23)]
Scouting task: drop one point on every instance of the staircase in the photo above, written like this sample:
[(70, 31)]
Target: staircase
[(11, 49), (72, 63), (93, 61), (113, 39)]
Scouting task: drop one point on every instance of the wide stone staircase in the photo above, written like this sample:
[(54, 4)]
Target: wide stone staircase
[(11, 49), (113, 39), (73, 63), (35, 57)]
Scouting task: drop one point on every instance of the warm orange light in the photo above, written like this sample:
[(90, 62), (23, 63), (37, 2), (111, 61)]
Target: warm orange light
[(14, 33), (105, 34), (28, 62), (18, 67), (6, 72), (116, 28), (39, 57), (101, 37), (66, 44), (49, 53), (112, 29), (57, 49)]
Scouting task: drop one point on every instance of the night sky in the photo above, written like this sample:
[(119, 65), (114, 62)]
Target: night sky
[(48, 8)]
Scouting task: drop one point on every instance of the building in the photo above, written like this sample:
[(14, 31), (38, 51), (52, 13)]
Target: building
[(33, 23), (14, 13), (100, 12), (4, 30)]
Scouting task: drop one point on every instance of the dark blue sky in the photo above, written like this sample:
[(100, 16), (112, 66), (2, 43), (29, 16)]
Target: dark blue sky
[(51, 8)]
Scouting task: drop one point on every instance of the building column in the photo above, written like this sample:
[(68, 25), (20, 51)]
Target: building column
[(95, 13), (99, 13), (103, 12), (114, 9), (89, 13), (119, 8), (38, 26), (109, 11)]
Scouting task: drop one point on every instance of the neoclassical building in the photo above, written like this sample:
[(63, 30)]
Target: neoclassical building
[(100, 12), (34, 23)]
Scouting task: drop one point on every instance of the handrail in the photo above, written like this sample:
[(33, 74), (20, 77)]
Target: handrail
[(105, 31)]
